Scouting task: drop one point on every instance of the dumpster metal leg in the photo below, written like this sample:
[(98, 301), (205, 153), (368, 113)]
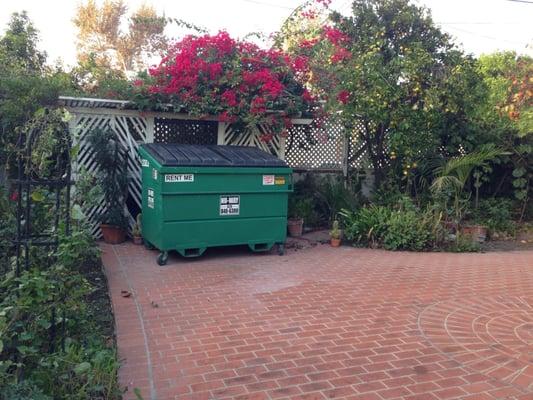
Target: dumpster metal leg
[(162, 258), (281, 249)]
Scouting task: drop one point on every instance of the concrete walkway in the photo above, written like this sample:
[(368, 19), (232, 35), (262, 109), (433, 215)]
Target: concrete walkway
[(323, 323)]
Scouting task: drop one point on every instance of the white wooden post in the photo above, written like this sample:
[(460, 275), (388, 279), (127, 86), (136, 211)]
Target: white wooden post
[(345, 155), (281, 151), (150, 129), (72, 130), (221, 135)]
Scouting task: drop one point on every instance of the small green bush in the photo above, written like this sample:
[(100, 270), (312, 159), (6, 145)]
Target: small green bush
[(406, 230), (463, 244), (80, 372), (496, 214), (367, 225), (45, 307), (325, 197), (398, 227), (25, 390)]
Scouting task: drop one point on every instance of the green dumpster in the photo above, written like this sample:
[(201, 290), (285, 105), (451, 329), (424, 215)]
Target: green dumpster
[(195, 197)]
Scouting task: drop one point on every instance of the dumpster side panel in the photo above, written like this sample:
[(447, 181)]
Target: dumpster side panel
[(152, 206)]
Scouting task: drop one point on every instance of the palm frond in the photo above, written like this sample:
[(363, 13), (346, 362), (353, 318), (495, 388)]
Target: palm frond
[(460, 168), (445, 182)]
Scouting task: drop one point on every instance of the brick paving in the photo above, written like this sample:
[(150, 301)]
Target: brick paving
[(324, 323)]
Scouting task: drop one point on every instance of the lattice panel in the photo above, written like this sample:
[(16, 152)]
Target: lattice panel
[(357, 157), (253, 138), (185, 131), (321, 145), (130, 131)]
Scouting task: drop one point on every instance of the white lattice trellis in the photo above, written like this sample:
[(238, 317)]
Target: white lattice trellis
[(133, 127), (324, 145), (275, 146), (130, 130)]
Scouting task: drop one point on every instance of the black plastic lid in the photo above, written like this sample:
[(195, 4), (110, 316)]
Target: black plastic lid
[(174, 155)]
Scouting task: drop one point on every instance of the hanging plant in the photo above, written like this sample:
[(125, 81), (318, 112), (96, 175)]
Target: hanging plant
[(235, 80)]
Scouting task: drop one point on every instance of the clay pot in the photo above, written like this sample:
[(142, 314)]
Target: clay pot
[(296, 227), (137, 240), (335, 242), (478, 233), (113, 234), (525, 236)]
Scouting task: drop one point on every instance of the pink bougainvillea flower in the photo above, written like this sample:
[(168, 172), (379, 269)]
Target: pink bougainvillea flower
[(258, 105), (343, 96), (334, 35), (307, 96), (340, 54), (236, 79), (308, 43), (273, 87), (230, 97)]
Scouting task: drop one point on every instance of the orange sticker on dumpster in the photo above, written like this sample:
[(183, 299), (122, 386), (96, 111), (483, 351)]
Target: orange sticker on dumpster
[(280, 180)]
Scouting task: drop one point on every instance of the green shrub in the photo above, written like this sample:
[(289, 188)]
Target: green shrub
[(463, 244), (77, 249), (301, 208), (25, 390), (367, 225), (496, 214), (33, 364), (27, 308), (398, 227), (406, 230), (326, 196), (79, 373)]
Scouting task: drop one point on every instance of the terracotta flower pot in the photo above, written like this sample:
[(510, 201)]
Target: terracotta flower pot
[(137, 239), (296, 227), (113, 234), (335, 242), (478, 233)]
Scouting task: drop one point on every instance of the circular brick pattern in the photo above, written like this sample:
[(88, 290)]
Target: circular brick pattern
[(493, 336)]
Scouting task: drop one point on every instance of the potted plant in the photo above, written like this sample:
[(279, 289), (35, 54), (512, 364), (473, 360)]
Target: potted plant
[(113, 179), (335, 234), (449, 184), (298, 209), (136, 231), (478, 233)]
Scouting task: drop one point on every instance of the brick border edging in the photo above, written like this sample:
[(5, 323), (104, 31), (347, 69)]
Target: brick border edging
[(138, 307)]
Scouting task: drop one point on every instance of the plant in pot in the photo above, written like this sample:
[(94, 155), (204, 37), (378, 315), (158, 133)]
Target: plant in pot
[(298, 209), (137, 230), (335, 234), (113, 179), (448, 187)]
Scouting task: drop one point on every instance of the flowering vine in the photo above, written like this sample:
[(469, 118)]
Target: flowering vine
[(235, 80)]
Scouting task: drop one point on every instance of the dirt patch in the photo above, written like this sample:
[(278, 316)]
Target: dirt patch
[(98, 301), (506, 245)]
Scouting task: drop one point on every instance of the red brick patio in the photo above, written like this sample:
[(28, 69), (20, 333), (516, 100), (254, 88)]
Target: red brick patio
[(324, 323)]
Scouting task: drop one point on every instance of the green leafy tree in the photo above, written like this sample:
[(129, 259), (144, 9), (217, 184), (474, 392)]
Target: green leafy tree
[(101, 38), (26, 82), (389, 69), (506, 116)]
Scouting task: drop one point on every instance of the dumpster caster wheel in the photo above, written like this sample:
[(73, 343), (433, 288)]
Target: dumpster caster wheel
[(281, 249), (162, 258), (148, 245)]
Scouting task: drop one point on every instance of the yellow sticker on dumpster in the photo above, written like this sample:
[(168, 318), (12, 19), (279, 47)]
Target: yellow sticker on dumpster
[(279, 180)]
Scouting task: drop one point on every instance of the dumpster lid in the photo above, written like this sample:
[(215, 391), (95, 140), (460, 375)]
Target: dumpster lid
[(173, 155)]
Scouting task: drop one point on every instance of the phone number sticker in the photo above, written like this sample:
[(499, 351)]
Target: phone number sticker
[(230, 205)]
